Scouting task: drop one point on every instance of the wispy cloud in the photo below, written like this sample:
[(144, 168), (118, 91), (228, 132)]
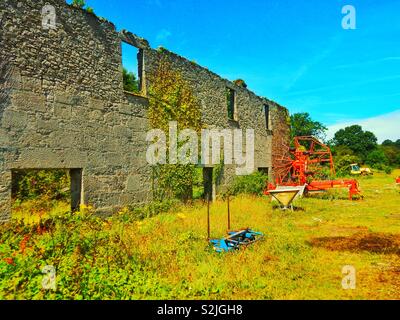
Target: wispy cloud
[(384, 126), (318, 102), (342, 85), (298, 75), (163, 35), (360, 64), (316, 59)]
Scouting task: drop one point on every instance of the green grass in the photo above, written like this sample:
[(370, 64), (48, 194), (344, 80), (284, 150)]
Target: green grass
[(168, 257)]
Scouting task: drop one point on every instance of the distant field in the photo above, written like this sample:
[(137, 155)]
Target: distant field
[(166, 257)]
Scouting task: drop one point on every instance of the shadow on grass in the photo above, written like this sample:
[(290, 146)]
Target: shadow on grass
[(371, 242)]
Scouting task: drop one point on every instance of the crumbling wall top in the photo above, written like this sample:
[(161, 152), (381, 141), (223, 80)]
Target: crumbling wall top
[(134, 40)]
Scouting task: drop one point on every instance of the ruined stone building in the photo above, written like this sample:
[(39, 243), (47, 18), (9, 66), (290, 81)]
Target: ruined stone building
[(63, 105)]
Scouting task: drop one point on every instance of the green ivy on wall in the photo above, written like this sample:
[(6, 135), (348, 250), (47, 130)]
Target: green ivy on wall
[(171, 99)]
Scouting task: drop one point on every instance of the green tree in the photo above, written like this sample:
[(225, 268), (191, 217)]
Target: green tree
[(361, 142), (392, 153), (131, 84), (398, 159), (340, 151), (302, 125), (377, 157), (388, 143)]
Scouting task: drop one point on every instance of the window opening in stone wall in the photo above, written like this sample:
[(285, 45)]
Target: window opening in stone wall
[(132, 63), (231, 104), (41, 193), (266, 112)]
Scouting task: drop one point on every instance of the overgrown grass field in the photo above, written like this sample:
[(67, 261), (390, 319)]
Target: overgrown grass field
[(168, 257)]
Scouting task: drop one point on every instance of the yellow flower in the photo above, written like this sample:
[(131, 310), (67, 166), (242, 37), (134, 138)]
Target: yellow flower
[(123, 211), (181, 216), (84, 207)]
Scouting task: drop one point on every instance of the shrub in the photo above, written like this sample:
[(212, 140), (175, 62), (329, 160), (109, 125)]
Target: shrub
[(78, 3), (392, 154), (388, 169), (240, 83), (383, 167), (342, 164), (377, 157), (81, 4), (341, 151), (250, 184), (153, 209)]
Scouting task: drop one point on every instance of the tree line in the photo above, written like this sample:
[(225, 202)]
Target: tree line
[(351, 144)]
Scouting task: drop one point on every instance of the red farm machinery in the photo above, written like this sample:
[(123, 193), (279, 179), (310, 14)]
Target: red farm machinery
[(308, 163)]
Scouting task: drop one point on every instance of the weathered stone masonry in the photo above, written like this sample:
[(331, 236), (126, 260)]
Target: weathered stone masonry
[(63, 105)]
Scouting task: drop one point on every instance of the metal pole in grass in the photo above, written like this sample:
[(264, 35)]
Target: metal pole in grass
[(229, 215), (208, 216)]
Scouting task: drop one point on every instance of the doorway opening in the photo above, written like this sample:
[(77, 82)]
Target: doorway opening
[(203, 184), (208, 183)]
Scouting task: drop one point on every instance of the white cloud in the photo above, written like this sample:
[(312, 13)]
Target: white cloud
[(386, 126)]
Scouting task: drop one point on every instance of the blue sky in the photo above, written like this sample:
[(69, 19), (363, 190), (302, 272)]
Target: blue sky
[(293, 52)]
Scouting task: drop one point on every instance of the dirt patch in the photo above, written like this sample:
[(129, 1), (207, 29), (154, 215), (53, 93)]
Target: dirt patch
[(394, 216), (333, 229), (344, 229), (371, 242)]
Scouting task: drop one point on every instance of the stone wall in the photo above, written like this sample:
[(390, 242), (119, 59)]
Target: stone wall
[(281, 135), (63, 105), (210, 88), (66, 107)]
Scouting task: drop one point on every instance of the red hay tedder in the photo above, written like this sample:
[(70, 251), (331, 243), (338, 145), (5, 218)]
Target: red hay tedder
[(309, 163), (398, 180)]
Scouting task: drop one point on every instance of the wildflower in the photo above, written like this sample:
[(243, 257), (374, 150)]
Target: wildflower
[(9, 261), (181, 216), (23, 243), (123, 211)]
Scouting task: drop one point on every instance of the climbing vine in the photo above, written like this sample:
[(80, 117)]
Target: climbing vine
[(171, 99)]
